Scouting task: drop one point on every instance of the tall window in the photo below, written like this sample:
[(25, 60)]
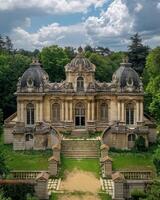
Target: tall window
[(131, 138), (30, 114), (104, 112), (129, 114), (56, 112), (80, 83)]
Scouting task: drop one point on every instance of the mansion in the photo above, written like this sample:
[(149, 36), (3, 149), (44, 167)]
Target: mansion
[(78, 104)]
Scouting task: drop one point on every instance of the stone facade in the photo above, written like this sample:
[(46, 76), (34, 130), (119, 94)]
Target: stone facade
[(78, 103)]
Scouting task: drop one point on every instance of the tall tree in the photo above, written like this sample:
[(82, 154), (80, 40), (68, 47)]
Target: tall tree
[(8, 44), (54, 59), (70, 52), (137, 53), (2, 43)]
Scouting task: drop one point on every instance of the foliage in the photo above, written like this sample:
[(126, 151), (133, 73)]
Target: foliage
[(2, 197), (30, 197), (156, 160), (11, 68), (106, 66), (53, 196), (17, 191), (70, 52), (140, 144), (104, 196), (137, 194), (1, 121), (153, 191), (137, 53), (54, 59), (3, 167)]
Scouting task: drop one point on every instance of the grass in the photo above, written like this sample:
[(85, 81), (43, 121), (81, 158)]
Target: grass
[(89, 165), (132, 161)]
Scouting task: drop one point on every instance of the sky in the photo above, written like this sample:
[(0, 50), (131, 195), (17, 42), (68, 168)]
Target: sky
[(33, 24)]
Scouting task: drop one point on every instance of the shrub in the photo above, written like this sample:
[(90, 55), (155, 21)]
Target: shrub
[(156, 160), (17, 191), (140, 144), (138, 194), (30, 197)]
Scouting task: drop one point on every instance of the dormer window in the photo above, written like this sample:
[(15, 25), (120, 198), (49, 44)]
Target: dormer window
[(80, 84), (30, 82)]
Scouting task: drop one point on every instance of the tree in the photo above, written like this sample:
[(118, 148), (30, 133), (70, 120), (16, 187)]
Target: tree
[(152, 80), (137, 194), (2, 197), (140, 144), (70, 52), (2, 43), (54, 59), (137, 53), (3, 167), (153, 192), (8, 44), (1, 121), (156, 160), (88, 48)]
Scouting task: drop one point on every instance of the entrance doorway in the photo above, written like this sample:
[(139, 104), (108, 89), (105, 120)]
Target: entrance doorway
[(80, 116)]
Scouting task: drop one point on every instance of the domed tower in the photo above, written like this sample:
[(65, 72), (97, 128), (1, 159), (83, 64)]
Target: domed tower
[(80, 72), (33, 79), (126, 78), (30, 94)]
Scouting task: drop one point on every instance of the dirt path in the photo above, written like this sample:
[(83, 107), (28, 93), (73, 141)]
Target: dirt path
[(80, 181)]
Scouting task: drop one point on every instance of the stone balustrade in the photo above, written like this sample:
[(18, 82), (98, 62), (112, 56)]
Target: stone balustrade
[(137, 175)]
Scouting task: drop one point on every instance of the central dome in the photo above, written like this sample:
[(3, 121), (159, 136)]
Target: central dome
[(80, 63)]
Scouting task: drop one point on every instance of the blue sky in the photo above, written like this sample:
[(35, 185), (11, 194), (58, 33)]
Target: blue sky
[(110, 23)]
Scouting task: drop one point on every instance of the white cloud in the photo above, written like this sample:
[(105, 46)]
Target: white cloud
[(48, 35), (138, 7), (158, 5), (51, 6)]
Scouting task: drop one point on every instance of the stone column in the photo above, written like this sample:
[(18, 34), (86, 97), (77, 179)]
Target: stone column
[(71, 116), (141, 111), (137, 111), (41, 111), (93, 111), (119, 111), (37, 112), (19, 111), (66, 111), (88, 110), (62, 112), (118, 180), (97, 111), (122, 111), (53, 166)]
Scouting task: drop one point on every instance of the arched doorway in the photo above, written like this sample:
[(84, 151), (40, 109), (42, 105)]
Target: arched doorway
[(80, 115)]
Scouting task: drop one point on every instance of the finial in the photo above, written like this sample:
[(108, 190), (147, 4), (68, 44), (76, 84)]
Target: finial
[(80, 50), (125, 59), (35, 60)]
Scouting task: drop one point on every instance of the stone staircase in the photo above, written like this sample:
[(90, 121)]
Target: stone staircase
[(75, 148)]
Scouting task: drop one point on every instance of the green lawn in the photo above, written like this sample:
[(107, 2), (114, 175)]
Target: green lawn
[(90, 165), (134, 161), (26, 160)]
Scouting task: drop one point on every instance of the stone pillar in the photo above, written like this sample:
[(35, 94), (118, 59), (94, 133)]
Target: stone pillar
[(118, 180), (97, 110), (93, 111), (41, 187), (123, 118), (104, 150), (56, 151), (53, 166), (106, 163), (137, 111), (62, 112), (41, 111), (119, 111), (141, 111), (71, 116), (37, 112), (66, 111), (89, 111)]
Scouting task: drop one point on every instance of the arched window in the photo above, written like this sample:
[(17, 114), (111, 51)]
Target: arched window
[(30, 114), (129, 114), (104, 112), (131, 138), (56, 112), (80, 84)]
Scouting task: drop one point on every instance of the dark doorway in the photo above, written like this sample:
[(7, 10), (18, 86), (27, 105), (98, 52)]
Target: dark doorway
[(80, 116)]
